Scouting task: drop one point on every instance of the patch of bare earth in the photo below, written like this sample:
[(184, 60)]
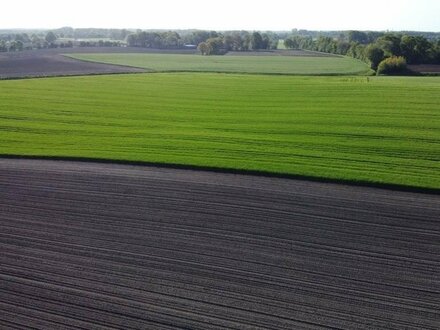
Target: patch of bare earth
[(51, 62), (425, 68), (99, 246)]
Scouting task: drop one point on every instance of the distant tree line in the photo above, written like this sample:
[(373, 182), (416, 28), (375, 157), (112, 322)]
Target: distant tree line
[(168, 39), (373, 47), (208, 42), (238, 41), (369, 46), (92, 33), (11, 41)]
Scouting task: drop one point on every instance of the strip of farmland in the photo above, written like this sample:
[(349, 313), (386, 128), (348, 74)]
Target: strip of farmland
[(110, 246), (364, 130)]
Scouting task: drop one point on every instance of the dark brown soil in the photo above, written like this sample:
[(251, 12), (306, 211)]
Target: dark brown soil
[(96, 246), (282, 52), (50, 62), (54, 65), (425, 68)]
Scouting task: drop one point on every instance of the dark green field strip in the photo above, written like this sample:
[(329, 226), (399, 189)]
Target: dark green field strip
[(375, 130), (94, 246), (294, 65)]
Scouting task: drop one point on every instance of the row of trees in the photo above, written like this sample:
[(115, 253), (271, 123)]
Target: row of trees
[(238, 41), (208, 42), (22, 41), (92, 33), (145, 39), (372, 47)]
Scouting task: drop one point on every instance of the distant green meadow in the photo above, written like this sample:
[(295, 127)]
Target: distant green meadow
[(359, 129), (293, 65)]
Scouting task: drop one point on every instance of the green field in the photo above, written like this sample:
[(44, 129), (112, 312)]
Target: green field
[(376, 129), (294, 65)]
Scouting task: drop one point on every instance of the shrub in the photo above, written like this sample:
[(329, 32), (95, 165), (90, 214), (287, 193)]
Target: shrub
[(392, 65)]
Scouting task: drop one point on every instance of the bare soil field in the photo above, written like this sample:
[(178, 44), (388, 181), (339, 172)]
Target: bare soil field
[(425, 68), (283, 52), (50, 62), (99, 246)]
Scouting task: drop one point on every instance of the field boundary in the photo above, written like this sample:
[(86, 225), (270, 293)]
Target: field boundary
[(366, 73), (74, 75), (225, 170)]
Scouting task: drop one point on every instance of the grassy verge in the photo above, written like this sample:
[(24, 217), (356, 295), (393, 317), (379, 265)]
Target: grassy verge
[(292, 65), (358, 129)]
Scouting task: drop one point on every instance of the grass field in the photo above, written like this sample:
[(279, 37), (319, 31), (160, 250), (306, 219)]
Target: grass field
[(383, 130), (294, 65)]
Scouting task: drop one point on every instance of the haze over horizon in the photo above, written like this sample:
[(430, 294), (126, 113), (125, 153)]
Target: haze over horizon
[(276, 15)]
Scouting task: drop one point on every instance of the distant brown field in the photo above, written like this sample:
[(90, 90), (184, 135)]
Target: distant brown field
[(283, 52), (50, 62), (425, 68)]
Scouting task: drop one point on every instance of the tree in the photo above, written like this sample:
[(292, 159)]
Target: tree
[(291, 43), (216, 45), (196, 37), (3, 47), (236, 41), (15, 46), (132, 40), (256, 41), (123, 34), (435, 52), (342, 47), (204, 48), (374, 54), (37, 42), (24, 38), (171, 39), (415, 49), (390, 44), (392, 65), (326, 45), (50, 37), (358, 36)]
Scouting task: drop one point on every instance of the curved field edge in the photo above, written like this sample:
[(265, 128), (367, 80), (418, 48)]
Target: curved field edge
[(226, 170), (359, 130), (240, 64), (48, 76)]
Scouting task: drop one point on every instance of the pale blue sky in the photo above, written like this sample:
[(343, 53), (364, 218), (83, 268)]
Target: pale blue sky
[(421, 15)]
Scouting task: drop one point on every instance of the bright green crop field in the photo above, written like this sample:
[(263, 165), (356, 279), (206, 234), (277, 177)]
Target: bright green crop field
[(294, 65), (376, 129)]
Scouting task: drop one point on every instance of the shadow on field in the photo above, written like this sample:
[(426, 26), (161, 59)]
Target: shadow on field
[(359, 183)]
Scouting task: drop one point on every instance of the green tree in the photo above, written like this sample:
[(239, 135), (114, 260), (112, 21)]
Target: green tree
[(390, 44), (3, 47), (37, 42), (375, 55), (392, 65), (216, 45), (132, 40), (50, 37), (415, 49), (204, 48), (358, 36), (292, 42), (16, 46), (256, 41), (342, 47)]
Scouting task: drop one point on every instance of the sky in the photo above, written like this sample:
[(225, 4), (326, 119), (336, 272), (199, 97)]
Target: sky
[(276, 15)]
